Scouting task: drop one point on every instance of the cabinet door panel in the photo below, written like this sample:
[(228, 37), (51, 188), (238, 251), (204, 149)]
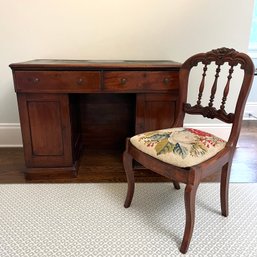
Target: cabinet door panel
[(45, 126), (155, 111), (46, 129)]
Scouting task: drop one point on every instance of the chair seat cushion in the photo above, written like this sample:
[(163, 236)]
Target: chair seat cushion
[(182, 147)]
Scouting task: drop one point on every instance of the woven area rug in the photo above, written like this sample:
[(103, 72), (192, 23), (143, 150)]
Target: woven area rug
[(90, 220)]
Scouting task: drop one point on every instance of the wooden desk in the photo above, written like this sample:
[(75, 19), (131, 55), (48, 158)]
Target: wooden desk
[(67, 105)]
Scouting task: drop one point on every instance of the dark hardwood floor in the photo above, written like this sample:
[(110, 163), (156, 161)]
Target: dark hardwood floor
[(95, 166), (244, 167)]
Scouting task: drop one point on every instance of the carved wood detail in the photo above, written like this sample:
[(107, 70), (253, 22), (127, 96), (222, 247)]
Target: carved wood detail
[(216, 57), (220, 56), (209, 112)]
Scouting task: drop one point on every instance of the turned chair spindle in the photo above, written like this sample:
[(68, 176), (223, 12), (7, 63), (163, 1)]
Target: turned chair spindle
[(226, 89), (202, 84), (214, 87)]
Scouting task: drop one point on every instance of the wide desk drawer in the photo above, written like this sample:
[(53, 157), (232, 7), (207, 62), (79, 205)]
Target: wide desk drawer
[(125, 81), (57, 81)]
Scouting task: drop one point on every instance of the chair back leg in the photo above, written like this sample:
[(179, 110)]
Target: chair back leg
[(128, 167), (224, 188), (176, 185)]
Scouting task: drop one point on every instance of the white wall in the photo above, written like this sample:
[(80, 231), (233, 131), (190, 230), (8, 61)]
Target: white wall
[(114, 29)]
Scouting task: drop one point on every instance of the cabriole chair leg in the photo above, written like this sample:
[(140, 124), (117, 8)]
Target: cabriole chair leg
[(190, 193)]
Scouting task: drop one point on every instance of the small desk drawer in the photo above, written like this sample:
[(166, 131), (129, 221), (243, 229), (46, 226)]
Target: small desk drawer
[(57, 81), (140, 81)]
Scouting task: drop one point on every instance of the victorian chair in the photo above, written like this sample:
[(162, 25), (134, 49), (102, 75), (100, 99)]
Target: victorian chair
[(188, 155)]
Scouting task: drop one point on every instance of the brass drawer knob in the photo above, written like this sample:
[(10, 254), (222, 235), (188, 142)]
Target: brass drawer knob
[(80, 81), (123, 81), (36, 80), (166, 81)]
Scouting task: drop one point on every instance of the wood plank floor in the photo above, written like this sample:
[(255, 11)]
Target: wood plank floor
[(244, 167), (98, 169)]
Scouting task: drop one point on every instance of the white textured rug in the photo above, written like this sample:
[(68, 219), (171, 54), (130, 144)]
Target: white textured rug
[(90, 220)]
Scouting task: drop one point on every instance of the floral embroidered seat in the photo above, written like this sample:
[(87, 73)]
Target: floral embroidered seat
[(182, 147)]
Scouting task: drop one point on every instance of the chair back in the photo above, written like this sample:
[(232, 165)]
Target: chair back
[(218, 58)]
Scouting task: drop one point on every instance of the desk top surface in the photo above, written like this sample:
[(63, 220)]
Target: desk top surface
[(54, 64)]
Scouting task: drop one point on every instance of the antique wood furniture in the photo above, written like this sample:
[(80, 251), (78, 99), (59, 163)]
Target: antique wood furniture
[(65, 105), (186, 155)]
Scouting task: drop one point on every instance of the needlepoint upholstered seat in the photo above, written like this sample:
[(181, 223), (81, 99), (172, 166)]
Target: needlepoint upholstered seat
[(186, 155), (182, 147)]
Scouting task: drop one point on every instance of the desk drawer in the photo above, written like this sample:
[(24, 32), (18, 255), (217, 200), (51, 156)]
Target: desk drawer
[(140, 81), (57, 81)]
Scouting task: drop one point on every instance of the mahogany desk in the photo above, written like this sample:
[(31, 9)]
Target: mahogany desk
[(65, 105)]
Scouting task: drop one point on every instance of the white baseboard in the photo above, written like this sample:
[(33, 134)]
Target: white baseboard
[(10, 135), (250, 109)]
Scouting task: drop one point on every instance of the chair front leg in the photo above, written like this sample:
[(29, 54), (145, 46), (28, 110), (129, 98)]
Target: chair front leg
[(224, 188), (190, 193), (127, 163)]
